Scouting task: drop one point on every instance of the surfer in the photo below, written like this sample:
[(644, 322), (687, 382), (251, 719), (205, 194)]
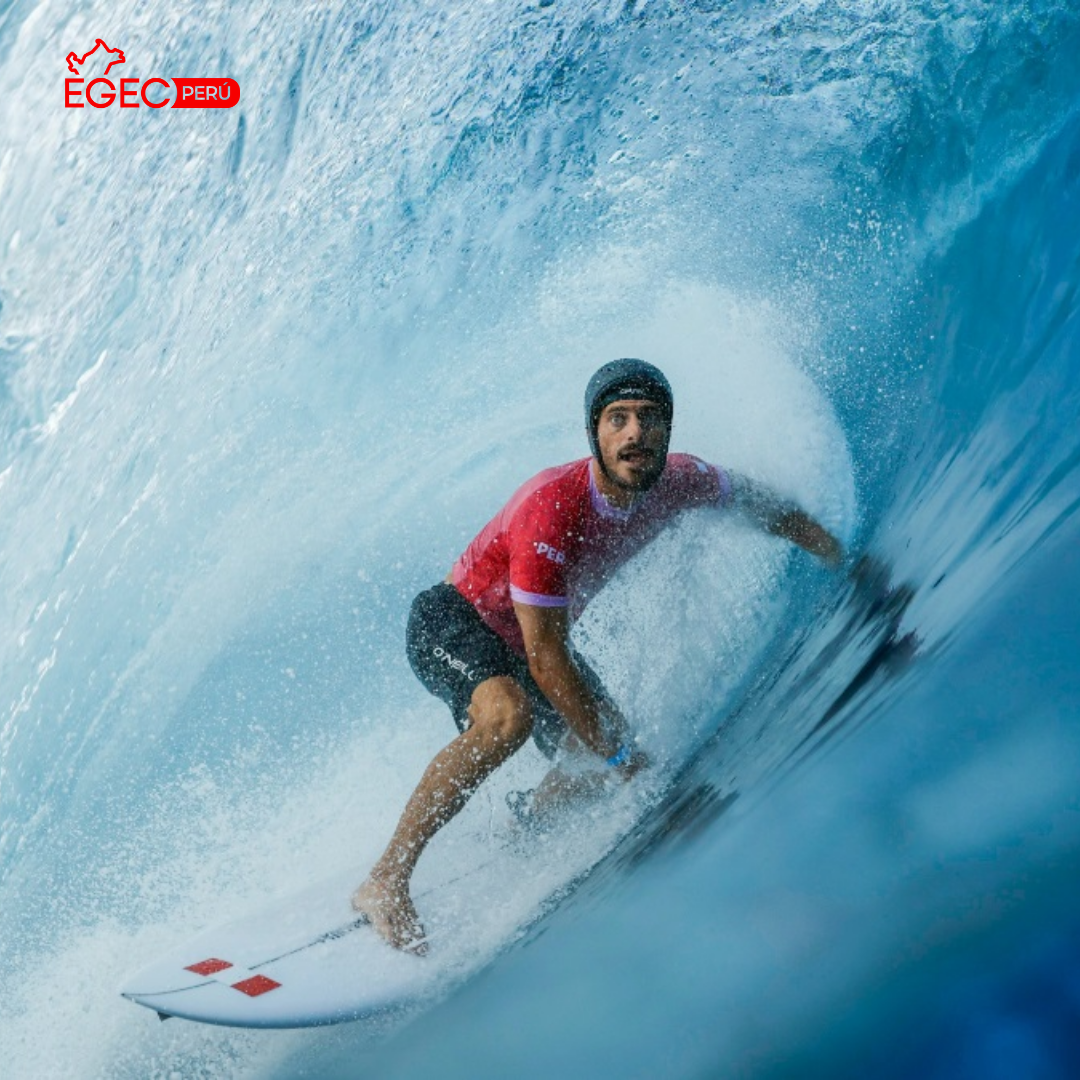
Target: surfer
[(492, 640)]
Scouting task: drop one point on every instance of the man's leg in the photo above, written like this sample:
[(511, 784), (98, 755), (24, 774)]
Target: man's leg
[(500, 723)]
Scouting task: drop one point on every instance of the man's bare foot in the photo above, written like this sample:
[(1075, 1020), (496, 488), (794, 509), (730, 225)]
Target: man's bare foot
[(389, 909), (561, 791)]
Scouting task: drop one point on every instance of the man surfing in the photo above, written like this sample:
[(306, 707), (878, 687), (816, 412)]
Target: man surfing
[(493, 639)]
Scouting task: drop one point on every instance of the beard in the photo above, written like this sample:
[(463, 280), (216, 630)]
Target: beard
[(643, 480)]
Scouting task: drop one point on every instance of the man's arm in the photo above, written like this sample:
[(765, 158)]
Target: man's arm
[(599, 725), (782, 518)]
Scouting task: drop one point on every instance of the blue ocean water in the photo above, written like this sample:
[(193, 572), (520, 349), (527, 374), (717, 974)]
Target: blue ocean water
[(264, 371)]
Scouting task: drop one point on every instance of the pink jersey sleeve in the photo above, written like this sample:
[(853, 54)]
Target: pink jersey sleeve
[(694, 482)]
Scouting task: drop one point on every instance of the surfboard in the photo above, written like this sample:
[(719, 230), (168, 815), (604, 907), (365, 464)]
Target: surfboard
[(307, 959), (303, 960)]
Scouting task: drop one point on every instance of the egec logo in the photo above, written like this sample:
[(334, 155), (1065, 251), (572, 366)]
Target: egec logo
[(154, 93)]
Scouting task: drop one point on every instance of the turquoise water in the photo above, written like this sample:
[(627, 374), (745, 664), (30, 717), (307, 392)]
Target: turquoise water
[(264, 371)]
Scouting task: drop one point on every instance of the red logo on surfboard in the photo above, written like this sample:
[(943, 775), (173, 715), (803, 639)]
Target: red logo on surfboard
[(209, 967), (254, 985), (99, 91)]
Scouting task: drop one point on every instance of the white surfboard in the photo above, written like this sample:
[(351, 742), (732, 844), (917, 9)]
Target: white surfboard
[(308, 959), (304, 960)]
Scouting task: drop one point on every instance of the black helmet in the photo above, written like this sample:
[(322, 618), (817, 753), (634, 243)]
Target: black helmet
[(625, 379)]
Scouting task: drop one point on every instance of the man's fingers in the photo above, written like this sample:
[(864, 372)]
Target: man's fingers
[(637, 761)]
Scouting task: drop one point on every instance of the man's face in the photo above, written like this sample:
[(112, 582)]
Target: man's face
[(633, 438)]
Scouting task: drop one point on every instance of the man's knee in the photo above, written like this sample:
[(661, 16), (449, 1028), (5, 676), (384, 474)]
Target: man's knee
[(500, 708)]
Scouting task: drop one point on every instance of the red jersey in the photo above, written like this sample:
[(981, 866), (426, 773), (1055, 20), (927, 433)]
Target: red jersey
[(557, 541)]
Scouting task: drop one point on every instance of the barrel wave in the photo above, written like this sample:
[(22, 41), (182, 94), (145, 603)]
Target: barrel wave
[(264, 371)]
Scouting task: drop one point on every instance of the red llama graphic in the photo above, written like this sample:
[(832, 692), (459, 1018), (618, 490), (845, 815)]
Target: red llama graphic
[(74, 61)]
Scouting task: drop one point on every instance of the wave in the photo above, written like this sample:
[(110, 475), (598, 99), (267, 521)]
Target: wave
[(264, 371)]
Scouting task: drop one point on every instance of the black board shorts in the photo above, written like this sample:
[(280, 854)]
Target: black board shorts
[(452, 651)]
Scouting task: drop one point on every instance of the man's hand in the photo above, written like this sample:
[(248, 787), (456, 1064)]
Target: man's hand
[(871, 578), (634, 763), (871, 575)]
